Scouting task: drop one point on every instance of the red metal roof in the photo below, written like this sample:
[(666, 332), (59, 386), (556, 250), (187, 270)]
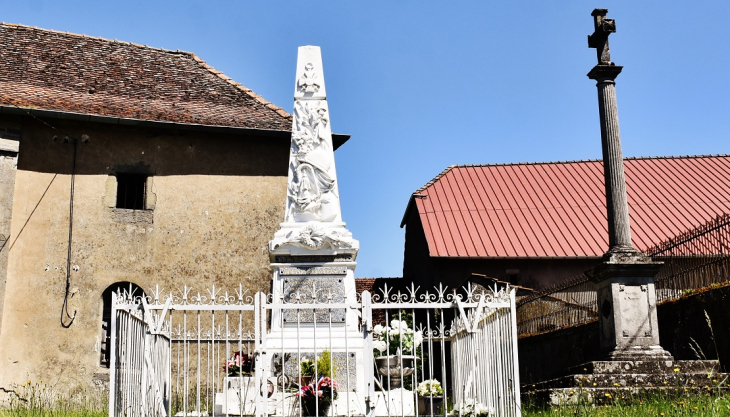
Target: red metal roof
[(558, 209)]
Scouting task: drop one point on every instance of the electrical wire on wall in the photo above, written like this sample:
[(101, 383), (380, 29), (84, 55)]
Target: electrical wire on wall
[(67, 319)]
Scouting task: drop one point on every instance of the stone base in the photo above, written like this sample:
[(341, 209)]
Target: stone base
[(641, 353), (603, 381)]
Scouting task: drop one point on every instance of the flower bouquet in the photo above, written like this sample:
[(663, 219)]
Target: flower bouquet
[(316, 397), (430, 397), (471, 408), (396, 338), (239, 364), (430, 388)]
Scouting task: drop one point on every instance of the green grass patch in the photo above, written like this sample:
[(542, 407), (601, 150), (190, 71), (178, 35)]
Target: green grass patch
[(690, 405), (39, 400)]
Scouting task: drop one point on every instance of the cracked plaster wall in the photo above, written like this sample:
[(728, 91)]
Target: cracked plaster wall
[(219, 200)]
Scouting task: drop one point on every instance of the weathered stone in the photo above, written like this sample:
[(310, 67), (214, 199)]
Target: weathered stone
[(626, 298), (322, 290), (215, 212), (602, 381), (9, 148)]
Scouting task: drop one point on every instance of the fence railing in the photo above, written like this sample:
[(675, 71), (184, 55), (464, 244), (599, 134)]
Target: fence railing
[(240, 354), (570, 303), (138, 371), (485, 367), (693, 260)]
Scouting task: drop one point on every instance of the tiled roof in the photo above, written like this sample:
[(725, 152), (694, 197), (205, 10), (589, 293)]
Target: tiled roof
[(50, 70), (540, 210)]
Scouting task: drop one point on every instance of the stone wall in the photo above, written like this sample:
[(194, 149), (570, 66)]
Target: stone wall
[(217, 202), (546, 356), (9, 147)]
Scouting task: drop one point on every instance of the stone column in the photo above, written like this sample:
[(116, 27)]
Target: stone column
[(625, 279), (619, 232)]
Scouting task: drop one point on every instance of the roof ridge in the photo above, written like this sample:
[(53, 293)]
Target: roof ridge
[(197, 59), (631, 158), (99, 38), (229, 80), (438, 177)]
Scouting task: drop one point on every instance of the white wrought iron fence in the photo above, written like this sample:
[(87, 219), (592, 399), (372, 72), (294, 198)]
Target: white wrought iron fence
[(220, 353), (139, 367)]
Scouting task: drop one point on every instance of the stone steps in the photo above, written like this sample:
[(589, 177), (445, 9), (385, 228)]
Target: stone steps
[(592, 381), (598, 396), (637, 367)]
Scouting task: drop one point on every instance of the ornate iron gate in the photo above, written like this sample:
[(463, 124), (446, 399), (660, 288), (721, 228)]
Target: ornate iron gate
[(221, 353)]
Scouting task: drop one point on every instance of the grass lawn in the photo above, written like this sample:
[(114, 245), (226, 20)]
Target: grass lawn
[(49, 413), (695, 405)]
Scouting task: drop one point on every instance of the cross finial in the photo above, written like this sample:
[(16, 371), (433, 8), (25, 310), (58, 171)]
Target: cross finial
[(599, 38)]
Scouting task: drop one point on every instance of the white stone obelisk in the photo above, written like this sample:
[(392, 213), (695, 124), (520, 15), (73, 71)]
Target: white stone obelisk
[(313, 254)]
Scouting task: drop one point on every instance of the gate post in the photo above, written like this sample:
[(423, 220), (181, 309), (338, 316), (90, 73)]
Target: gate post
[(515, 352), (367, 357), (259, 343), (113, 359)]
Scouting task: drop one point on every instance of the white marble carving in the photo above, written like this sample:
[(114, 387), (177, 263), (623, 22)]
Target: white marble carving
[(313, 218), (308, 82), (312, 190), (315, 237)]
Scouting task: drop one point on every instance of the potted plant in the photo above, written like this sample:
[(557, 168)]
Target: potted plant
[(430, 397), (306, 371), (239, 364), (317, 395), (394, 351)]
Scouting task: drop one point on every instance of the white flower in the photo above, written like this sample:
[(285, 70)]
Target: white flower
[(481, 410), (417, 339), (429, 387), (380, 345), (378, 330), (471, 408), (395, 324)]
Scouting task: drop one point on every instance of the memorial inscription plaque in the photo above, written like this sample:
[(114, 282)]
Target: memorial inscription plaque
[(308, 287)]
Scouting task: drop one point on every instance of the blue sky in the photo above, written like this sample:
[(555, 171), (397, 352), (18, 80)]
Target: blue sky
[(421, 85)]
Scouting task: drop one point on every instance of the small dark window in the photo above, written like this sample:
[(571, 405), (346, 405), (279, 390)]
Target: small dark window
[(512, 276), (131, 191)]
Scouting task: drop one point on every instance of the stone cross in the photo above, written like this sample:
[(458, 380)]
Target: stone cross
[(619, 231), (625, 278), (599, 38)]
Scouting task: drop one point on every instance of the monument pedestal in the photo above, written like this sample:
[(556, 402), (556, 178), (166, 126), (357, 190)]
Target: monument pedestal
[(626, 299)]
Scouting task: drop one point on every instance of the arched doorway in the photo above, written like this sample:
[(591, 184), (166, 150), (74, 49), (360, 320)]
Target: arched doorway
[(124, 287)]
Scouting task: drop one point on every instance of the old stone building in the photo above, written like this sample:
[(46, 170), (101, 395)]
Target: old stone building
[(538, 224), (122, 165)]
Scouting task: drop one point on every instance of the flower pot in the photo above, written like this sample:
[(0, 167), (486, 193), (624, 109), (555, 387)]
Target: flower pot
[(305, 380), (309, 407), (430, 406), (395, 368)]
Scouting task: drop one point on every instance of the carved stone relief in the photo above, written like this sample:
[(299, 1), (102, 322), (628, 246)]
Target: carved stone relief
[(312, 191), (309, 81)]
